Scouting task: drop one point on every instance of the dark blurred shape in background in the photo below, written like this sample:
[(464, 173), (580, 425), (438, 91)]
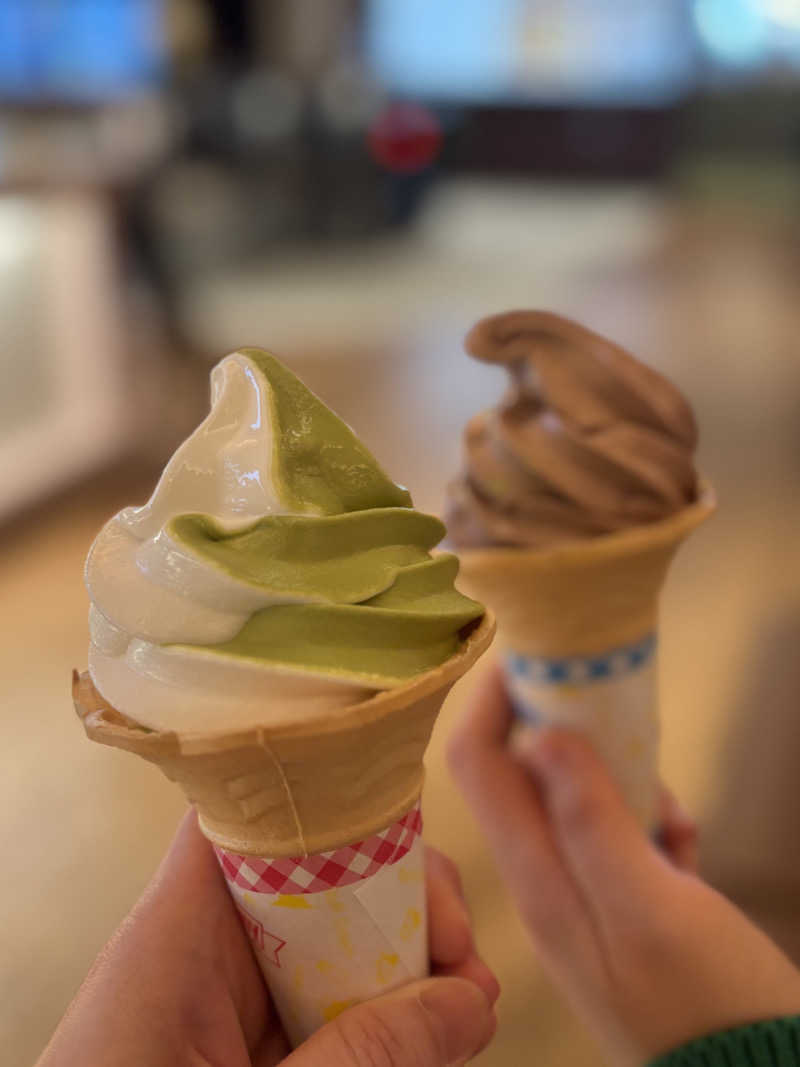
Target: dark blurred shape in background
[(200, 137), (353, 183)]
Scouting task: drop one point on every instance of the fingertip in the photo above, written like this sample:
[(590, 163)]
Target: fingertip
[(189, 828), (682, 821), (479, 973), (431, 1022), (486, 721), (489, 983), (464, 1013), (452, 942), (439, 866), (550, 748), (190, 843), (560, 762), (678, 834), (189, 861), (568, 774), (450, 935)]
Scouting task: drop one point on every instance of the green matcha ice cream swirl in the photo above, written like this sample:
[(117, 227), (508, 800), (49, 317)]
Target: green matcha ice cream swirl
[(275, 570), (363, 597)]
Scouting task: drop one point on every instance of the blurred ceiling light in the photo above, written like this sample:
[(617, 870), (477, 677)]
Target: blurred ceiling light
[(267, 107), (784, 12), (734, 31)]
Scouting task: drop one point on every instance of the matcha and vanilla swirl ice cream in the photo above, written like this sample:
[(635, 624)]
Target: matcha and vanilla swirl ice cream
[(276, 573)]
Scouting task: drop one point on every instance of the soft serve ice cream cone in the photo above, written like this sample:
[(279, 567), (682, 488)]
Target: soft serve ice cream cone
[(272, 631), (575, 495)]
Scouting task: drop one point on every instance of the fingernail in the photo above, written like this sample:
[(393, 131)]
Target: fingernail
[(468, 934), (458, 902), (463, 1013), (489, 983)]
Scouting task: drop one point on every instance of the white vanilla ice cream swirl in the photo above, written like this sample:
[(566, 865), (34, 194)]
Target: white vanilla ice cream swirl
[(146, 592), (276, 573)]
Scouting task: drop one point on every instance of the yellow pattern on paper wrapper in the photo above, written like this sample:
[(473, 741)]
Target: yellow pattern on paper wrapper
[(324, 966), (343, 934), (385, 965), (565, 688), (411, 923), (409, 875), (336, 1007), (334, 903), (283, 900)]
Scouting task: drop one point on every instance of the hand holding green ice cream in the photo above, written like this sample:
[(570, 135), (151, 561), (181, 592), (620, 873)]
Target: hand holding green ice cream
[(272, 631)]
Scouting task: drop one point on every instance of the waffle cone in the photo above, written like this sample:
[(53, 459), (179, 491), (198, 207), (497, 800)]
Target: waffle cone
[(297, 789), (584, 597), (575, 613)]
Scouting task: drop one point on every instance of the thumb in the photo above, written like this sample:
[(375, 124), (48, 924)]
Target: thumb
[(436, 1023), (607, 852)]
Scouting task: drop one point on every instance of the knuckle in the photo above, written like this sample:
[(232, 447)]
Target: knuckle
[(368, 1039), (577, 810), (544, 917)]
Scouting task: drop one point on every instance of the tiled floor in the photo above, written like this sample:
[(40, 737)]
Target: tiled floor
[(714, 304)]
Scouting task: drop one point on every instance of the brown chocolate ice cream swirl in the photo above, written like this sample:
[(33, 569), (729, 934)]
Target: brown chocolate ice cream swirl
[(586, 441)]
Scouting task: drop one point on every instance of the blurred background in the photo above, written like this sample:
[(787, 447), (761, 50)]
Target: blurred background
[(352, 184)]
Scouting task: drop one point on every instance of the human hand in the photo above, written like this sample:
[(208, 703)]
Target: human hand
[(178, 986), (648, 954)]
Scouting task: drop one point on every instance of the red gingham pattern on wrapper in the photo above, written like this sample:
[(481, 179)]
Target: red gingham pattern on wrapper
[(325, 870)]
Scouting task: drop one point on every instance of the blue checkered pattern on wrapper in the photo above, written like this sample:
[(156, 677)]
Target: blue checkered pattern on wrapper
[(578, 670)]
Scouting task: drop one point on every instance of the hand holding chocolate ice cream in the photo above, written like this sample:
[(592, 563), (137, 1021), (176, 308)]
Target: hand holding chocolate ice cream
[(574, 495)]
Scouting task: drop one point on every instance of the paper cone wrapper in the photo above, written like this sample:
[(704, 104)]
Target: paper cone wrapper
[(336, 928), (577, 630), (316, 825)]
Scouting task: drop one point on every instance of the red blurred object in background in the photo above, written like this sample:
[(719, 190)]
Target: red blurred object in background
[(405, 138)]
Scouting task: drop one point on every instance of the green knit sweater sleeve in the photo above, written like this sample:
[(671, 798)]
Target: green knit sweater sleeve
[(775, 1043)]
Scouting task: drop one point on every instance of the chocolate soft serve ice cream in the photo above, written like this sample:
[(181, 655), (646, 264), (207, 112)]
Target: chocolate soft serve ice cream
[(575, 493), (586, 441)]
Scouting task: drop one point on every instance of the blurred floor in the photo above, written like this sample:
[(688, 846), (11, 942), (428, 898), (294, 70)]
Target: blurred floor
[(709, 299)]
